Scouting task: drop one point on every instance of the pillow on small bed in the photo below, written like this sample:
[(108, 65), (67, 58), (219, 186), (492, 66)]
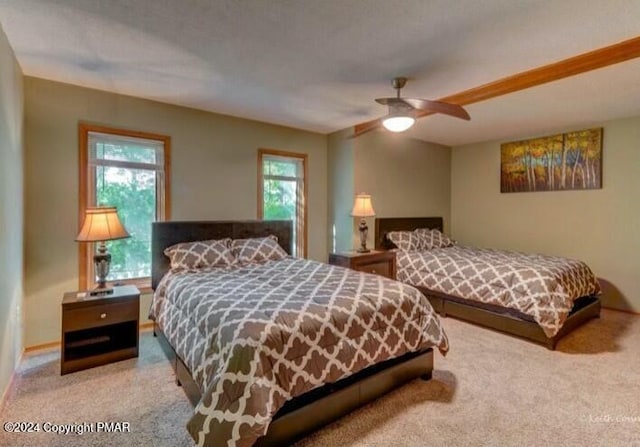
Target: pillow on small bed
[(201, 254), (256, 250), (432, 238), (405, 240)]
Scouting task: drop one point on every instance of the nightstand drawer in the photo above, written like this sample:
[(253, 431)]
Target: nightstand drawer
[(377, 262), (378, 268), (95, 316)]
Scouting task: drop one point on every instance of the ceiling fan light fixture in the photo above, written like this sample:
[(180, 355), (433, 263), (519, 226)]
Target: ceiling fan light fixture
[(398, 123), (404, 111)]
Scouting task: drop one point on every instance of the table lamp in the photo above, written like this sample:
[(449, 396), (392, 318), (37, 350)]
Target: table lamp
[(101, 224), (362, 208)]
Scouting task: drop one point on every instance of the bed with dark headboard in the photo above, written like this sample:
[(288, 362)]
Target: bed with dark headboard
[(315, 408), (387, 224), (166, 234), (495, 317)]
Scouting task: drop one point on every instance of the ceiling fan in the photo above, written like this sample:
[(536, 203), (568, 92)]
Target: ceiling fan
[(404, 111)]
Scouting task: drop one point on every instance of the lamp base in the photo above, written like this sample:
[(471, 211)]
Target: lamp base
[(102, 262), (364, 229)]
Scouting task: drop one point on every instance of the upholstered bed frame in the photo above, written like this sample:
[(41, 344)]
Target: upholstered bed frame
[(495, 317), (316, 408)]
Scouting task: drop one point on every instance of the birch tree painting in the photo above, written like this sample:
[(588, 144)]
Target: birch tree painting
[(559, 162)]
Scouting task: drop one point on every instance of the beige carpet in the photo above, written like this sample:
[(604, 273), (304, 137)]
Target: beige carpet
[(491, 389)]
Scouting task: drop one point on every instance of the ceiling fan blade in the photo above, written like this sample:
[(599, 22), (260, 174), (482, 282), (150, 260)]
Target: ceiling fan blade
[(437, 107), (363, 128), (412, 107), (393, 102), (386, 101)]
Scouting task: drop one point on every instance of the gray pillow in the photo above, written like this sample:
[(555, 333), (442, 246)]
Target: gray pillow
[(257, 250), (200, 255)]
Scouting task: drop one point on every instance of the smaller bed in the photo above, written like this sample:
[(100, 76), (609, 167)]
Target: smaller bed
[(465, 282)]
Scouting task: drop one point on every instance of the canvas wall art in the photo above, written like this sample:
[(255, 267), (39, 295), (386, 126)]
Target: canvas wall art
[(572, 160)]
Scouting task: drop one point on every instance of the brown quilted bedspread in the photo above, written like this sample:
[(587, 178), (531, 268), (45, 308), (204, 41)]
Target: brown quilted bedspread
[(543, 287), (259, 335)]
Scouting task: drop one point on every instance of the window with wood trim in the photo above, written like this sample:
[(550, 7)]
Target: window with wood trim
[(128, 170), (282, 192)]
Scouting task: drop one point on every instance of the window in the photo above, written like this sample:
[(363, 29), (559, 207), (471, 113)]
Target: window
[(128, 170), (282, 192)]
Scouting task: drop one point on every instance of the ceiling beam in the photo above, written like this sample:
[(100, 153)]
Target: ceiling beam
[(602, 57), (361, 128), (582, 63)]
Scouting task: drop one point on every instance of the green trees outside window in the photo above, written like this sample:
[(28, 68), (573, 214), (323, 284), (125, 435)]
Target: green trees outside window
[(133, 192), (283, 195), (127, 177)]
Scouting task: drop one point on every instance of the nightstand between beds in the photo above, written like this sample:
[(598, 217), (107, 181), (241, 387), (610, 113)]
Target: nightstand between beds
[(378, 262)]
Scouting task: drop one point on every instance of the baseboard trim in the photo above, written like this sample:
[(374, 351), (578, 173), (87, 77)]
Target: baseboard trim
[(4, 397), (5, 393), (632, 312), (42, 347)]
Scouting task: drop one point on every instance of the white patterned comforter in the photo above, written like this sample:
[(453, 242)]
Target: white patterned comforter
[(258, 335), (543, 287)]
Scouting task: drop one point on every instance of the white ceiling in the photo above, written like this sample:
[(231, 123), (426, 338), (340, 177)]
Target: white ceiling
[(318, 64)]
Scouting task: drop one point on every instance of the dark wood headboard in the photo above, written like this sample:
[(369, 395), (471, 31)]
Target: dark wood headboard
[(386, 224), (166, 234)]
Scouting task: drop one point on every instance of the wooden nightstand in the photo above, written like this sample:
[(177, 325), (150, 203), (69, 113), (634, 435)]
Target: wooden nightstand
[(379, 262), (99, 330)]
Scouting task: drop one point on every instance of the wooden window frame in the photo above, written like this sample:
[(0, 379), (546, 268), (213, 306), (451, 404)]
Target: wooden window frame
[(87, 185), (305, 186)]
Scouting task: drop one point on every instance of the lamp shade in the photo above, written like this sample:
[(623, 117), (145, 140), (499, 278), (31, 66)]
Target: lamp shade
[(101, 224), (362, 207)]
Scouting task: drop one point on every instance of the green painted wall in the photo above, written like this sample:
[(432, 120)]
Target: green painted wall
[(11, 212), (600, 227), (214, 175)]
